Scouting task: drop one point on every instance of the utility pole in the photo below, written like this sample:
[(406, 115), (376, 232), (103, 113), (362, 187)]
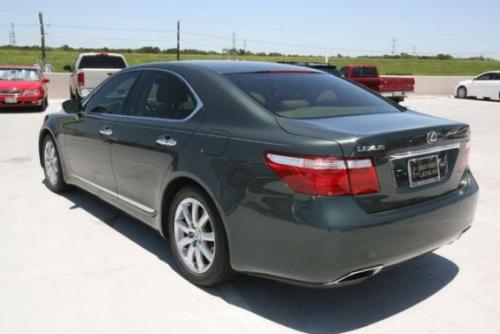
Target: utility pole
[(42, 35), (12, 35), (234, 46), (394, 41), (178, 40)]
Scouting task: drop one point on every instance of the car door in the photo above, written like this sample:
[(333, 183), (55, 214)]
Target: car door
[(480, 85), (163, 114), (494, 87), (87, 137)]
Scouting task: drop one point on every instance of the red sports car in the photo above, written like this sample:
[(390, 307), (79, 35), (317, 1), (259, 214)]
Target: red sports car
[(22, 87)]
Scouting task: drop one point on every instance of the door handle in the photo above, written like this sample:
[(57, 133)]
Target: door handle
[(106, 131), (166, 141)]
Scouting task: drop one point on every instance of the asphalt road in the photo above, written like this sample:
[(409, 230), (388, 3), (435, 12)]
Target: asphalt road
[(73, 264)]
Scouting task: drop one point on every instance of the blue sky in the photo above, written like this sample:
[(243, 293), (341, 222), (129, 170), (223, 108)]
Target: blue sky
[(459, 27)]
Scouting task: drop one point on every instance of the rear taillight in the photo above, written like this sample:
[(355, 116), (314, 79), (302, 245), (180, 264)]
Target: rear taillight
[(80, 78), (362, 176), (464, 161), (323, 175)]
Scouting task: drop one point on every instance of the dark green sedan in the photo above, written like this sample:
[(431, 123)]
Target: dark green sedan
[(267, 169)]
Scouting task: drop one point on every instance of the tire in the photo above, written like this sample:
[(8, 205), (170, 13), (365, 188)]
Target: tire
[(54, 179), (200, 248), (44, 105), (462, 92)]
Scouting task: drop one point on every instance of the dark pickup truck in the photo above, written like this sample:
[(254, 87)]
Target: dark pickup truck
[(395, 88)]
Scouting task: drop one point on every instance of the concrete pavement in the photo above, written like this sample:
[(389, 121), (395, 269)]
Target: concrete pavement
[(74, 264)]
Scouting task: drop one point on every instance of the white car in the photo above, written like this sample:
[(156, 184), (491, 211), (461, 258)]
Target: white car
[(90, 69), (484, 86)]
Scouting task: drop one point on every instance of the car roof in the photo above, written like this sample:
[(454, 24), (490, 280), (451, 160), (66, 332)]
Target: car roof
[(232, 66)]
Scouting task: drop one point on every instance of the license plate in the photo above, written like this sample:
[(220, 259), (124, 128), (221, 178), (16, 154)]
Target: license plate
[(11, 100), (424, 170)]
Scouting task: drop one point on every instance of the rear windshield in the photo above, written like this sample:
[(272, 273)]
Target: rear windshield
[(102, 62), (21, 74), (309, 95), (367, 72)]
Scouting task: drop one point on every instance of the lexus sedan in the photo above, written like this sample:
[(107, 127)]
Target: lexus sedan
[(484, 86), (22, 87), (267, 169)]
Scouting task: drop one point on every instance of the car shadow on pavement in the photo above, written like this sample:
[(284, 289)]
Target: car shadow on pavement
[(20, 111), (304, 309)]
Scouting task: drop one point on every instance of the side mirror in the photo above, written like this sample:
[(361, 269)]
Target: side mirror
[(45, 80), (67, 68), (72, 106)]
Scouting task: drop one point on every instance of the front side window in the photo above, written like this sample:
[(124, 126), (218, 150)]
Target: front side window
[(309, 95), (487, 76), (111, 97), (164, 95)]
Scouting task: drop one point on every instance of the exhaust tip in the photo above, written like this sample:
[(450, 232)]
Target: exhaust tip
[(356, 276)]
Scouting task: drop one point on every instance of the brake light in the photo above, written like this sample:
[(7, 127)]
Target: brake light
[(80, 79), (464, 161), (362, 176), (323, 175)]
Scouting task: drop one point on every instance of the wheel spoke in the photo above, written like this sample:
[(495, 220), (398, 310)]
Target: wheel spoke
[(194, 213), (207, 236), (203, 220), (182, 225), (189, 255), (207, 253), (187, 215), (184, 241), (199, 260)]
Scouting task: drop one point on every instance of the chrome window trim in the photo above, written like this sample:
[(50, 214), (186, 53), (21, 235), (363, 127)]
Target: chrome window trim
[(125, 199), (431, 150), (198, 101)]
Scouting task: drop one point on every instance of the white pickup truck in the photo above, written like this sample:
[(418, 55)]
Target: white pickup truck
[(90, 69)]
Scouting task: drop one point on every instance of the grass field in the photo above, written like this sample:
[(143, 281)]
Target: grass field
[(60, 58)]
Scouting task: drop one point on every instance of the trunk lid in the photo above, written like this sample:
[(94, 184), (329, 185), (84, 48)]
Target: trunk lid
[(94, 76), (395, 142)]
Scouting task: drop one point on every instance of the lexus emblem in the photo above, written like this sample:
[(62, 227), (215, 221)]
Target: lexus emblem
[(432, 137)]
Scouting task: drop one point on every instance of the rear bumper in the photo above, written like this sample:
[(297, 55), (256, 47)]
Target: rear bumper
[(395, 94), (348, 239), (21, 101)]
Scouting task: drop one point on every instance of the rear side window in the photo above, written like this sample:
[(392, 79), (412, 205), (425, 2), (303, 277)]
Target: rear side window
[(102, 61), (163, 95), (309, 95)]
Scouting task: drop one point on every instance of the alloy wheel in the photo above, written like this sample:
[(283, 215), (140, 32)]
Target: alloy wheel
[(194, 235), (461, 93), (51, 162)]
